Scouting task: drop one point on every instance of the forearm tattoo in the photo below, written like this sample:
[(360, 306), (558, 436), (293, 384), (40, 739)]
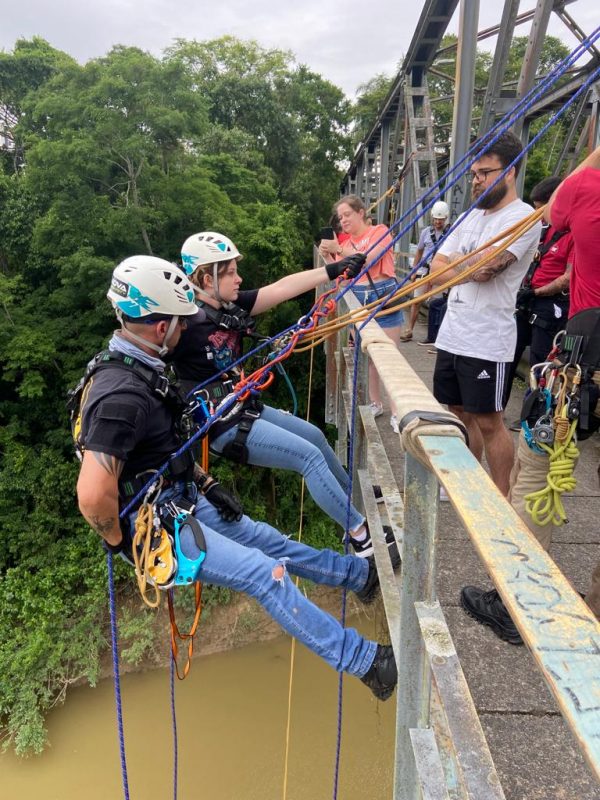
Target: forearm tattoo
[(497, 266), (111, 464), (102, 526)]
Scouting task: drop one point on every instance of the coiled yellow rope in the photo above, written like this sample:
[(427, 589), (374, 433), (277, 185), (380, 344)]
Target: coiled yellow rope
[(546, 506)]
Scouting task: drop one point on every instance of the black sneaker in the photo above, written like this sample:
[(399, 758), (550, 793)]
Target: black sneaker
[(382, 676), (364, 549), (369, 591), (488, 608), (515, 425)]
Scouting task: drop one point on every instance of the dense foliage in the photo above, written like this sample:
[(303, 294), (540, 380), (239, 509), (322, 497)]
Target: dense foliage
[(127, 154)]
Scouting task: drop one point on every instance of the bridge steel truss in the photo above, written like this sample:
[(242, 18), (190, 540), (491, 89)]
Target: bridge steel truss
[(400, 149)]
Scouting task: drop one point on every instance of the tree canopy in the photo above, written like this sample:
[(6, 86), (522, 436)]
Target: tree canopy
[(127, 154)]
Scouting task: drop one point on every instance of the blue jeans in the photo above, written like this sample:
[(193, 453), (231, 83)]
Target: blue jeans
[(278, 439), (243, 556), (364, 294)]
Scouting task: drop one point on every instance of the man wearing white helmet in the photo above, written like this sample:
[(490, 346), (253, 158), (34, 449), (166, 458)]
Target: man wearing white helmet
[(259, 434), (130, 421), (426, 249)]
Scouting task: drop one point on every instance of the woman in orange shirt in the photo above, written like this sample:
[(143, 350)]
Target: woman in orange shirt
[(376, 284)]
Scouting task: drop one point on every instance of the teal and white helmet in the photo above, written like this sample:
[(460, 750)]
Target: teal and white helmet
[(205, 248), (146, 285)]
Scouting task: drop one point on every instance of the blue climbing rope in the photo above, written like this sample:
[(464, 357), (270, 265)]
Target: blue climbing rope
[(116, 674), (591, 79)]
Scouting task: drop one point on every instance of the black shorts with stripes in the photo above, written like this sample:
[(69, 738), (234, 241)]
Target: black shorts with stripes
[(477, 385)]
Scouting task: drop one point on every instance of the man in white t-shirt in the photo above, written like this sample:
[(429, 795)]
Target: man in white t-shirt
[(476, 342)]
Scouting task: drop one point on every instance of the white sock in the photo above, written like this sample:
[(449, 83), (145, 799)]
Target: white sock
[(361, 534)]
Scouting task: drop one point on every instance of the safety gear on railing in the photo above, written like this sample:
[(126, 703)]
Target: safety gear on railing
[(229, 507), (440, 210), (204, 248), (351, 265)]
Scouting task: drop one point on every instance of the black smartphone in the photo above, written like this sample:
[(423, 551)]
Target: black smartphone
[(326, 233)]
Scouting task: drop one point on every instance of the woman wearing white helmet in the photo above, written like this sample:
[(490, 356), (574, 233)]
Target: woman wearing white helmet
[(259, 434), (428, 244)]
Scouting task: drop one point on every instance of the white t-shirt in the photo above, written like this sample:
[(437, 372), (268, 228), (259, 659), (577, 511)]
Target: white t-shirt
[(480, 319)]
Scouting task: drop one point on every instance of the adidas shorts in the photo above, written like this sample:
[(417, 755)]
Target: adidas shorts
[(477, 385)]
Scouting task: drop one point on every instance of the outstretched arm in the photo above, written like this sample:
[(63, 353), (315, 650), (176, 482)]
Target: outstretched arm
[(98, 494), (300, 282)]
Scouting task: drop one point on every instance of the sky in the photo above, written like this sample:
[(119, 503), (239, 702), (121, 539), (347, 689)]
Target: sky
[(341, 39)]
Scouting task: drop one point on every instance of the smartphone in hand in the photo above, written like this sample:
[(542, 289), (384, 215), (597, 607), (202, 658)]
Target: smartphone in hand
[(326, 233)]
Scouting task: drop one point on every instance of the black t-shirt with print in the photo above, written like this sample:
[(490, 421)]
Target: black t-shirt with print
[(204, 349), (123, 418)]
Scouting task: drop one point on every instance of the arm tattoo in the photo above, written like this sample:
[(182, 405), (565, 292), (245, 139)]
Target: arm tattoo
[(496, 267), (110, 463), (102, 526)]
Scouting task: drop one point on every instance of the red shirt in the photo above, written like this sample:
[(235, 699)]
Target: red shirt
[(576, 207), (555, 260)]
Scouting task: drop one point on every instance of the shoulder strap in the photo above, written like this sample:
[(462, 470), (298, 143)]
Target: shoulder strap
[(537, 258), (543, 248)]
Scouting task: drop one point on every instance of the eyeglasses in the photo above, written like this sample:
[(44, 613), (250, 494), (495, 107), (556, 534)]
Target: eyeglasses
[(481, 174)]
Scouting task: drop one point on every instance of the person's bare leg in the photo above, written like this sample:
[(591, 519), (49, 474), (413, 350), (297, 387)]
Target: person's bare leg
[(475, 437), (374, 388), (394, 335), (499, 448), (414, 315)]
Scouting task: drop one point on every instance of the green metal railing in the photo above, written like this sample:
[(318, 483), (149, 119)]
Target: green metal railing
[(441, 750)]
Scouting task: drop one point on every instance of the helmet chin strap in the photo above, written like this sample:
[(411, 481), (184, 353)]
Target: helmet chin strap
[(161, 350), (215, 296)]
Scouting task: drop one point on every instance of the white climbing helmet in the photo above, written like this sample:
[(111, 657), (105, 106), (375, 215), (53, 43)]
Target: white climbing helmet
[(440, 210), (204, 248), (144, 285)]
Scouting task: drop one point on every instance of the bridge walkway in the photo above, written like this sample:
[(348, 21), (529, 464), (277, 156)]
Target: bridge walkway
[(534, 752)]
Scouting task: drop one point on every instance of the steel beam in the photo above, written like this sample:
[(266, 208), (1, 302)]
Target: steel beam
[(505, 35), (531, 59), (418, 569), (463, 106)]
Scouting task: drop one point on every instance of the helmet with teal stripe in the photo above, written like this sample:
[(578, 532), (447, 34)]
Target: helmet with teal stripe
[(144, 286)]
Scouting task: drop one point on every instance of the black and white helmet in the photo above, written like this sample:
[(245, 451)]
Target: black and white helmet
[(145, 285)]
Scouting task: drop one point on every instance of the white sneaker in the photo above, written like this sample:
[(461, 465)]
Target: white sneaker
[(394, 423), (444, 495), (376, 409)]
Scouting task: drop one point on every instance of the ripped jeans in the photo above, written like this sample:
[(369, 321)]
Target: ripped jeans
[(245, 556)]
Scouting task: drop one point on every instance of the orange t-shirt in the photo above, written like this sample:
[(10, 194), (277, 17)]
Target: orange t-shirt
[(384, 267)]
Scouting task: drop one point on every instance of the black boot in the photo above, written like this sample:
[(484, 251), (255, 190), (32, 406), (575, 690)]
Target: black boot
[(488, 608), (369, 591), (382, 676)]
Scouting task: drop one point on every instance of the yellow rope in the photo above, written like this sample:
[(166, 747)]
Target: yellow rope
[(545, 506), (293, 644), (507, 237), (144, 525)]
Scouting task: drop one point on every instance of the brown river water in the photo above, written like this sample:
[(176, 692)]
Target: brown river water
[(231, 719)]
